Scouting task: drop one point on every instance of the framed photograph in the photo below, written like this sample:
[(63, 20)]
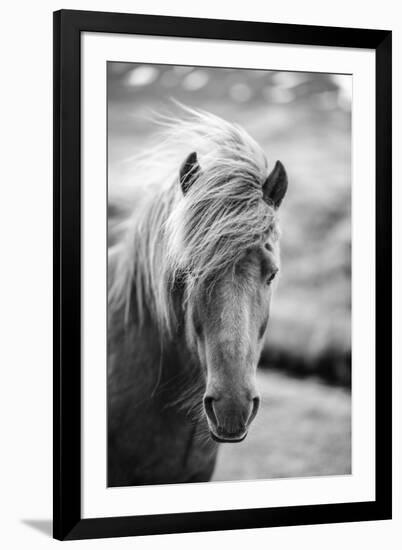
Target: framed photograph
[(222, 274)]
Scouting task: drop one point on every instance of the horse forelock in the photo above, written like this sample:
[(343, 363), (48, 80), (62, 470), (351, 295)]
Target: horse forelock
[(198, 236)]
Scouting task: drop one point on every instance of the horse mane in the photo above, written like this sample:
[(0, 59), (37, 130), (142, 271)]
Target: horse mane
[(194, 237)]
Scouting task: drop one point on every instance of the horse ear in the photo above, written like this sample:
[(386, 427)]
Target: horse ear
[(189, 171), (275, 186)]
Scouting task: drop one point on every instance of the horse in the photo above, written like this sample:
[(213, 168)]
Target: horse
[(190, 280)]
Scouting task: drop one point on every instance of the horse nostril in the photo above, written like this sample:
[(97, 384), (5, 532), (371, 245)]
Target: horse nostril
[(254, 410), (209, 409)]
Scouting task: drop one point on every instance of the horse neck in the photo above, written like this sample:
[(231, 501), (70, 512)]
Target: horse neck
[(161, 355), (159, 365)]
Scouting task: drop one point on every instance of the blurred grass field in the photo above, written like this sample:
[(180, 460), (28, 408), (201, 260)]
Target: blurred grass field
[(303, 119)]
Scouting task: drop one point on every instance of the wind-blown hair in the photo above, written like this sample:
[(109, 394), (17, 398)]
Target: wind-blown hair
[(196, 236)]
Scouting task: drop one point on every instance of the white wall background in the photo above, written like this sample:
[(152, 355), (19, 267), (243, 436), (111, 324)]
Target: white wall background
[(26, 270)]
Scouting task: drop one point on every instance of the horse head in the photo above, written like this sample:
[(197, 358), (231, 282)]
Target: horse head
[(226, 316)]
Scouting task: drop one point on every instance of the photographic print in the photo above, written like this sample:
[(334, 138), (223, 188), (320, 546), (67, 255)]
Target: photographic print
[(222, 307), (229, 274)]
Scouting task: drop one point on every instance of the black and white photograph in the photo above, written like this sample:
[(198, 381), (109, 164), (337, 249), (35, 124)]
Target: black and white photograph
[(201, 275), (229, 274)]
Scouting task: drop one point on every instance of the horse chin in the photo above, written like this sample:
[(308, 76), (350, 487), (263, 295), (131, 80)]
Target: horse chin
[(228, 439)]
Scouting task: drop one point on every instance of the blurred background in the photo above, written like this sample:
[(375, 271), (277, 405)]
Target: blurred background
[(304, 119)]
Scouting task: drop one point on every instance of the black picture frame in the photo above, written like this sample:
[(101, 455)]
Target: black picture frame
[(68, 26)]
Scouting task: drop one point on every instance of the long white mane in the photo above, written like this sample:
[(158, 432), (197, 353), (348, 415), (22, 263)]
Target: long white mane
[(196, 236)]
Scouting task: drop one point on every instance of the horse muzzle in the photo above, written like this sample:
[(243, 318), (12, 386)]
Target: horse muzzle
[(229, 418)]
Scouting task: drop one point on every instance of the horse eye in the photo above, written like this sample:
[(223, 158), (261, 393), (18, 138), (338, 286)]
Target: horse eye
[(271, 277)]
